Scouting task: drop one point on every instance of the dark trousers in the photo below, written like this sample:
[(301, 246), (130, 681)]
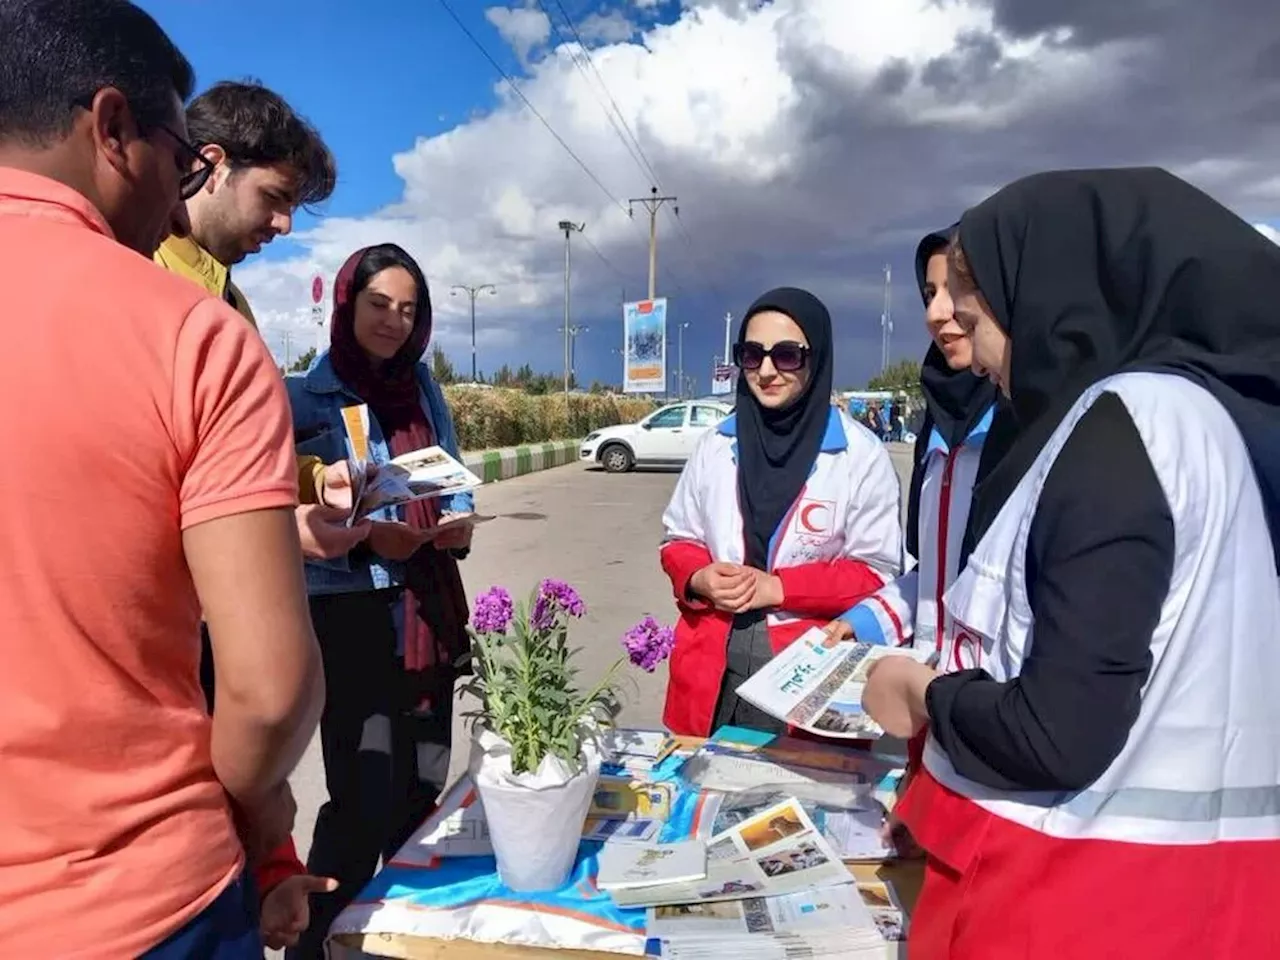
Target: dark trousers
[(749, 650), (385, 762)]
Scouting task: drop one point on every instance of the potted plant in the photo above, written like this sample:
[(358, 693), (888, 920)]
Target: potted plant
[(536, 757)]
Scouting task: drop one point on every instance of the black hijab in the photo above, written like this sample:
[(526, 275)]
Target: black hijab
[(1094, 272), (955, 400), (777, 448)]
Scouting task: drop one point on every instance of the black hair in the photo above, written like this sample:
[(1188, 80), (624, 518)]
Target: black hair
[(382, 256), (55, 55), (257, 128)]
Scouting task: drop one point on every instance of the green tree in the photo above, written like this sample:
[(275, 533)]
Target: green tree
[(901, 375), (441, 367), (303, 363)]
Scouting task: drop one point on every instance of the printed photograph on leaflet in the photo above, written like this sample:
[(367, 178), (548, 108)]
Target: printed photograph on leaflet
[(818, 688), (850, 825), (885, 908), (778, 851), (417, 475)]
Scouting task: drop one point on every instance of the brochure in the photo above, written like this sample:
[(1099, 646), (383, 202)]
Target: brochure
[(825, 909), (818, 688), (635, 752), (417, 475), (775, 852), (631, 866), (853, 830)]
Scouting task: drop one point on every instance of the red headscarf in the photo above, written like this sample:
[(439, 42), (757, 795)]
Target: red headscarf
[(436, 608)]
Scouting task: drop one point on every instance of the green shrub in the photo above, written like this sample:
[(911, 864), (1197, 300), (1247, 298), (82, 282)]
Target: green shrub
[(504, 418)]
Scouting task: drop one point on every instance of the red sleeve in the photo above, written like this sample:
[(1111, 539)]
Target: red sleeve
[(826, 590), (681, 559), (282, 864)]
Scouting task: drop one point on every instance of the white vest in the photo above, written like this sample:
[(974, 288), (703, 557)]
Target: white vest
[(909, 608), (849, 506), (1202, 762)]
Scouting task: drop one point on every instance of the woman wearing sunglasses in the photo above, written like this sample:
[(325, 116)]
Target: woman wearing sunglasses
[(785, 516)]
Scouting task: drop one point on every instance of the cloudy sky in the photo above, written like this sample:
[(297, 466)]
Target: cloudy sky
[(810, 142)]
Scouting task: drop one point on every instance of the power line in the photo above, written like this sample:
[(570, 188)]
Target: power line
[(603, 259), (586, 53), (578, 59), (550, 129), (532, 109)]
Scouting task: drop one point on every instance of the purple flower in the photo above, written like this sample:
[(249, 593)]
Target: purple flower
[(648, 643), (493, 611), (554, 598)]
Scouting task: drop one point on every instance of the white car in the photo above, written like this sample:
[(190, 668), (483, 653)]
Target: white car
[(664, 438)]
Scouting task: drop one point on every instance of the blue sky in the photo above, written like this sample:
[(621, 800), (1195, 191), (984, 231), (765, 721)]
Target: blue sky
[(811, 142), (372, 77)]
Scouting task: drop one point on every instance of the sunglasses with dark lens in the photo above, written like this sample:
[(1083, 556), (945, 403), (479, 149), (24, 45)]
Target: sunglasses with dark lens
[(787, 355), (195, 167)]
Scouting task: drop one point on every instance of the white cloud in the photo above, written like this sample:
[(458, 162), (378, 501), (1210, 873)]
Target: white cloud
[(523, 28), (1268, 231), (808, 141), (611, 27)]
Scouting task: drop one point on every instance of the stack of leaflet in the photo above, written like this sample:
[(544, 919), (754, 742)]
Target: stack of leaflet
[(634, 752), (830, 922), (777, 851), (772, 887)]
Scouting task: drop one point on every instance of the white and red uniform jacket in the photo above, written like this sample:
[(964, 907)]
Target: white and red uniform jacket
[(841, 540), (1174, 851), (910, 608)]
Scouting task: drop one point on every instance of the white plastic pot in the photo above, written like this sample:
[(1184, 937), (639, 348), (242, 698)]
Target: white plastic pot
[(535, 819)]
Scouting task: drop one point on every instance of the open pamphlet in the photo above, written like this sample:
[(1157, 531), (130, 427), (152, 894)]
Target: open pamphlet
[(832, 921), (775, 852), (819, 688), (417, 475), (850, 825)]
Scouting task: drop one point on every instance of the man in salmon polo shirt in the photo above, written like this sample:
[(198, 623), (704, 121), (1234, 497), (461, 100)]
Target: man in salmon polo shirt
[(158, 478)]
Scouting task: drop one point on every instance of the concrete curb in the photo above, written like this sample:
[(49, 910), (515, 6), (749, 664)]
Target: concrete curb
[(494, 465)]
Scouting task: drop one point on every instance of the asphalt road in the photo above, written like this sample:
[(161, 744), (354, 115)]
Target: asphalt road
[(597, 531)]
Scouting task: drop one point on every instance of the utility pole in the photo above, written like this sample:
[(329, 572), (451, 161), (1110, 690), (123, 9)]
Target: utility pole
[(886, 321), (473, 292), (569, 227), (728, 352), (288, 349), (680, 327), (574, 331), (653, 203)]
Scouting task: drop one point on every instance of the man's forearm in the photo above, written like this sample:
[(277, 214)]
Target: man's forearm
[(256, 746)]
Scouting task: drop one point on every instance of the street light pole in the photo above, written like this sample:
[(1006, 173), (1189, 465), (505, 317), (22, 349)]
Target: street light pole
[(568, 227), (473, 292)]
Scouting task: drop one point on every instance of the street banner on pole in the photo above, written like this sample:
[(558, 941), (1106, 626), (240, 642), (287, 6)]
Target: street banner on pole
[(645, 345), (722, 379)]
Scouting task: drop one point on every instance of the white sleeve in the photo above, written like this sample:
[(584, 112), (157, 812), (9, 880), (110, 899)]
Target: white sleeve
[(873, 533), (887, 616), (684, 518)]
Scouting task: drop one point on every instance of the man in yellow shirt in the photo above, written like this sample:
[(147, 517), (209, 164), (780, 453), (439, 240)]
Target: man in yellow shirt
[(260, 162)]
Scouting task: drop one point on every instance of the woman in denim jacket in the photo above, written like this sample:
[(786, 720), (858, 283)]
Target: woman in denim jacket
[(391, 615)]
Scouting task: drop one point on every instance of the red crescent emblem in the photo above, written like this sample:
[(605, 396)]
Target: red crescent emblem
[(808, 524)]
